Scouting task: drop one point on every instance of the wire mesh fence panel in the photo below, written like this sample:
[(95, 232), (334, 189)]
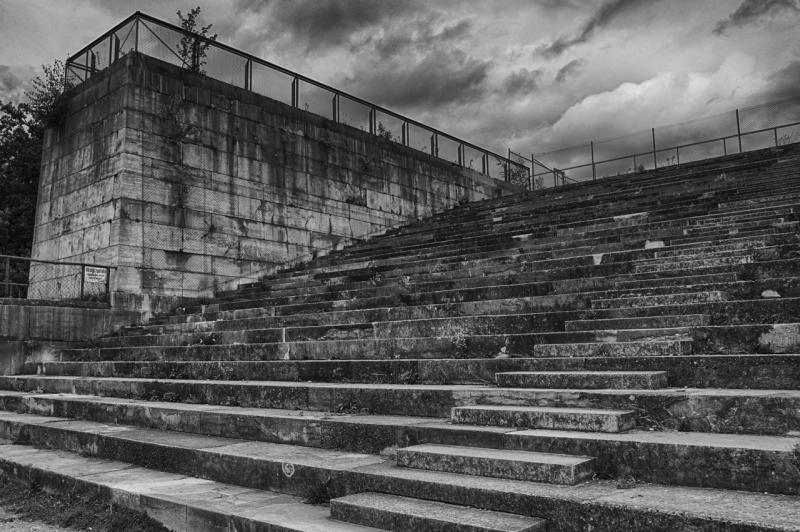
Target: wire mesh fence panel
[(388, 127), (222, 65), (518, 170), (272, 83), (125, 39), (100, 55), (758, 140), (448, 149), (473, 159), (314, 99), (770, 114), (698, 130), (162, 43), (354, 113), (418, 138), (497, 167), (788, 134)]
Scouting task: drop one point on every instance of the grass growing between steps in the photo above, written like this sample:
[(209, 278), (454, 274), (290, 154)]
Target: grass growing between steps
[(29, 501)]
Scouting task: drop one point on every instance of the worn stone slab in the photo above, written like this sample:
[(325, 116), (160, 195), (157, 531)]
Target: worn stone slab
[(403, 514), (583, 379), (599, 420), (532, 466)]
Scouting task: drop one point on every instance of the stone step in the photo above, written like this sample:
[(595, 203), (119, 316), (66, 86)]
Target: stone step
[(689, 280), (292, 470), (615, 349), (498, 463), (181, 503), (582, 419), (764, 371), (661, 300), (691, 264), (583, 379), (691, 409), (678, 320), (403, 514), (756, 463)]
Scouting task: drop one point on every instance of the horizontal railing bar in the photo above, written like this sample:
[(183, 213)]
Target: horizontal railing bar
[(295, 75), (670, 148)]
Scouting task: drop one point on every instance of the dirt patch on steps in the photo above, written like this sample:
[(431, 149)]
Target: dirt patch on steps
[(27, 508)]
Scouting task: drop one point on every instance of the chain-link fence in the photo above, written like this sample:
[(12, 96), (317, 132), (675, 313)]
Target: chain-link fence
[(25, 278), (175, 45), (746, 129)]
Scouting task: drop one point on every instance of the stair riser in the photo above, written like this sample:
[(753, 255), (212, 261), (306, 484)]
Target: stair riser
[(591, 422)]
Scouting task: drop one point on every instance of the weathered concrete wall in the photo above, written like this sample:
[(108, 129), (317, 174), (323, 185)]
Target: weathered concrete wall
[(182, 181), (36, 331)]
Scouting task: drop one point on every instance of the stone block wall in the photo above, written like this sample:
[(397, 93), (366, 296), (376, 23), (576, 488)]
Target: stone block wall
[(183, 182)]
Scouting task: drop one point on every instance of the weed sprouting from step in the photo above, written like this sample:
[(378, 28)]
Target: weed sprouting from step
[(626, 482), (71, 509)]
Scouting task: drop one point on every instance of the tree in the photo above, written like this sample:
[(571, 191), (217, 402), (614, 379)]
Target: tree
[(22, 128), (193, 46)]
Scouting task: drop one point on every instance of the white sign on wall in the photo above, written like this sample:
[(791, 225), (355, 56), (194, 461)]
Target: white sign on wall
[(94, 275)]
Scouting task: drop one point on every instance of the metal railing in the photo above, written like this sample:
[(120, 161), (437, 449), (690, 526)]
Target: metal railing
[(747, 129), (26, 278), (162, 40)]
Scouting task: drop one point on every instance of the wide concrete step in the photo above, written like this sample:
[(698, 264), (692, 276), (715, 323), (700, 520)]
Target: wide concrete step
[(404, 514), (764, 371), (181, 503), (498, 463), (752, 462), (321, 473), (750, 411), (583, 419), (679, 320), (661, 300), (657, 348), (583, 379)]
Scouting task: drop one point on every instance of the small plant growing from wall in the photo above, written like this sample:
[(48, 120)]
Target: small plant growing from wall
[(193, 49)]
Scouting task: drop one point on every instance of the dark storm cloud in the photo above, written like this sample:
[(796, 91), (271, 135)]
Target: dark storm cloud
[(441, 77), (419, 35), (323, 24), (752, 10), (570, 69), (602, 17), (521, 82), (783, 84)]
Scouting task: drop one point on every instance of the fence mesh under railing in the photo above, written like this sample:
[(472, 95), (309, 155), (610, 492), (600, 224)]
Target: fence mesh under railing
[(25, 278)]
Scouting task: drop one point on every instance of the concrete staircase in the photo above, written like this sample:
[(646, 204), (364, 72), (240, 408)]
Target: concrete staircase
[(616, 355)]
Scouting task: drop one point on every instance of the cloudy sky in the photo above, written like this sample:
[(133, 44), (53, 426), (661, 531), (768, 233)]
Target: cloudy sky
[(529, 74)]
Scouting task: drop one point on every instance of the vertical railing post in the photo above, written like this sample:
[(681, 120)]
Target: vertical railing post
[(7, 277), (108, 285), (655, 163), (485, 163), (295, 92), (248, 75), (738, 131), (460, 155), (724, 146), (333, 108), (83, 278), (775, 130), (111, 49), (372, 121), (136, 35), (404, 134), (555, 180), (594, 169), (677, 155), (435, 145)]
